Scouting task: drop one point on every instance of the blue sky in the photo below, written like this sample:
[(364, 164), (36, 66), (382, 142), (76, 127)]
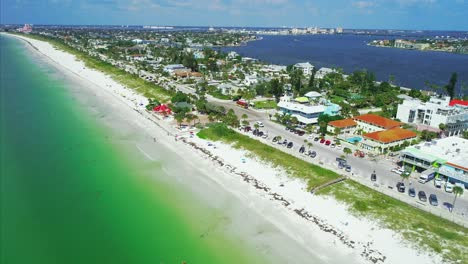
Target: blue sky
[(392, 14)]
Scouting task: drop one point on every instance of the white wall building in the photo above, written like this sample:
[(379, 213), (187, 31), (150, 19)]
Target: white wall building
[(305, 113), (433, 113), (448, 157), (322, 72), (250, 80), (305, 67)]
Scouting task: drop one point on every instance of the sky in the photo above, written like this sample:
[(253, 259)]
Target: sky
[(361, 14)]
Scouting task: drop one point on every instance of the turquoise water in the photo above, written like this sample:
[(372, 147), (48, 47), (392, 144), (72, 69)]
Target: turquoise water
[(71, 196), (354, 139)]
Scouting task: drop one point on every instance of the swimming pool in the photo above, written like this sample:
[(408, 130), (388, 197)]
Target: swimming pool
[(354, 139)]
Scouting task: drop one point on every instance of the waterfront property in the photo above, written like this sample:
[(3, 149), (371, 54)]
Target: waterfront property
[(308, 109), (305, 67), (372, 123), (447, 157), (453, 114), (384, 140)]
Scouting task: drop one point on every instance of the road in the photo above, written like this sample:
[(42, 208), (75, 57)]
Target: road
[(361, 167)]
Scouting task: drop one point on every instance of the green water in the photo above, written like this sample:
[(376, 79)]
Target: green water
[(69, 196)]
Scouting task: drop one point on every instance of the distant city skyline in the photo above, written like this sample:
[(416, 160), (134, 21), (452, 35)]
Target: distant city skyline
[(369, 14)]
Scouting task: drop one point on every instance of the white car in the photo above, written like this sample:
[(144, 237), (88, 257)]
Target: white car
[(260, 124), (398, 171), (437, 183), (449, 187)]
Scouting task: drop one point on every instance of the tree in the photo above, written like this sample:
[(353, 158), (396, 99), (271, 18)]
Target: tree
[(179, 117), (190, 117), (457, 190), (276, 89), (337, 131), (249, 94), (347, 151), (245, 123), (256, 126), (310, 145), (450, 87), (405, 175), (312, 78)]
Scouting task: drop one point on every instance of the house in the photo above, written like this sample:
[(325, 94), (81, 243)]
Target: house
[(305, 67), (345, 126), (438, 110), (373, 123), (232, 55), (172, 67), (228, 88), (381, 141), (313, 95), (250, 80), (446, 156), (320, 74)]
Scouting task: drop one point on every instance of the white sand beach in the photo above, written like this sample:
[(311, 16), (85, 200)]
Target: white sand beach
[(312, 229)]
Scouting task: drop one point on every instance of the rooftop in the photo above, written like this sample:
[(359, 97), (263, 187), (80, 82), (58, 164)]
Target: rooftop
[(453, 150), (378, 121), (391, 135), (304, 108), (458, 102), (343, 123)]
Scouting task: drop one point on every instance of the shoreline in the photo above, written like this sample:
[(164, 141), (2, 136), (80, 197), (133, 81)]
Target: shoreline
[(369, 245)]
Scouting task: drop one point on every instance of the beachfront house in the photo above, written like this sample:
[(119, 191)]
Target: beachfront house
[(305, 67), (320, 74)]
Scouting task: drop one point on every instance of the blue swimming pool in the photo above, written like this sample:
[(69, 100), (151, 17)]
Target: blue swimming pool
[(354, 139)]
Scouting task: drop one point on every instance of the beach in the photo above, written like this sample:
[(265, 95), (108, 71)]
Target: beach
[(269, 211)]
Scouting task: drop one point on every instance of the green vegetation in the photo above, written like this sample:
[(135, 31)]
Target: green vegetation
[(148, 89), (266, 104), (313, 174), (423, 229), (419, 227)]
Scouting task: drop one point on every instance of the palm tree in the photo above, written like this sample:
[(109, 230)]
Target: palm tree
[(244, 116), (347, 151), (179, 117), (189, 118), (457, 190), (256, 126), (405, 175), (310, 145)]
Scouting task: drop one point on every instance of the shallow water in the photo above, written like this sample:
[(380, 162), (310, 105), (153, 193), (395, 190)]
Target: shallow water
[(74, 192)]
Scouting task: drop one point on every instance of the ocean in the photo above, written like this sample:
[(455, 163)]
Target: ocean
[(411, 68), (72, 191)]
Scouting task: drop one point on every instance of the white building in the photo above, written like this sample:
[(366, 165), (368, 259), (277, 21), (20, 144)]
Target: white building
[(305, 113), (172, 67), (228, 88), (250, 80), (305, 67), (447, 156), (322, 72), (435, 112)]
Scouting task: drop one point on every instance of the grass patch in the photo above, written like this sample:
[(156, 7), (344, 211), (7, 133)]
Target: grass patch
[(313, 174), (219, 95), (148, 89), (266, 104), (417, 226), (423, 230)]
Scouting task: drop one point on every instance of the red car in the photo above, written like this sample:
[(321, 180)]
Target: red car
[(328, 142), (322, 141)]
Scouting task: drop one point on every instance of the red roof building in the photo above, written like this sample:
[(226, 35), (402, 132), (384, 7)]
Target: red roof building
[(371, 122), (391, 135), (458, 102), (344, 123)]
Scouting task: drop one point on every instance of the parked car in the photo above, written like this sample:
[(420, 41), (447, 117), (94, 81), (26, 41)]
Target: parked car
[(316, 139), (276, 138), (322, 141), (411, 192), (437, 182), (301, 149), (398, 171), (339, 147), (348, 168), (312, 154), (422, 196), (260, 124), (449, 187), (401, 187), (300, 132), (433, 200), (340, 160), (290, 145), (333, 145), (327, 143)]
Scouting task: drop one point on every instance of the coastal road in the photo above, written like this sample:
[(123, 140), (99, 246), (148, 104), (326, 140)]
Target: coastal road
[(361, 167)]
